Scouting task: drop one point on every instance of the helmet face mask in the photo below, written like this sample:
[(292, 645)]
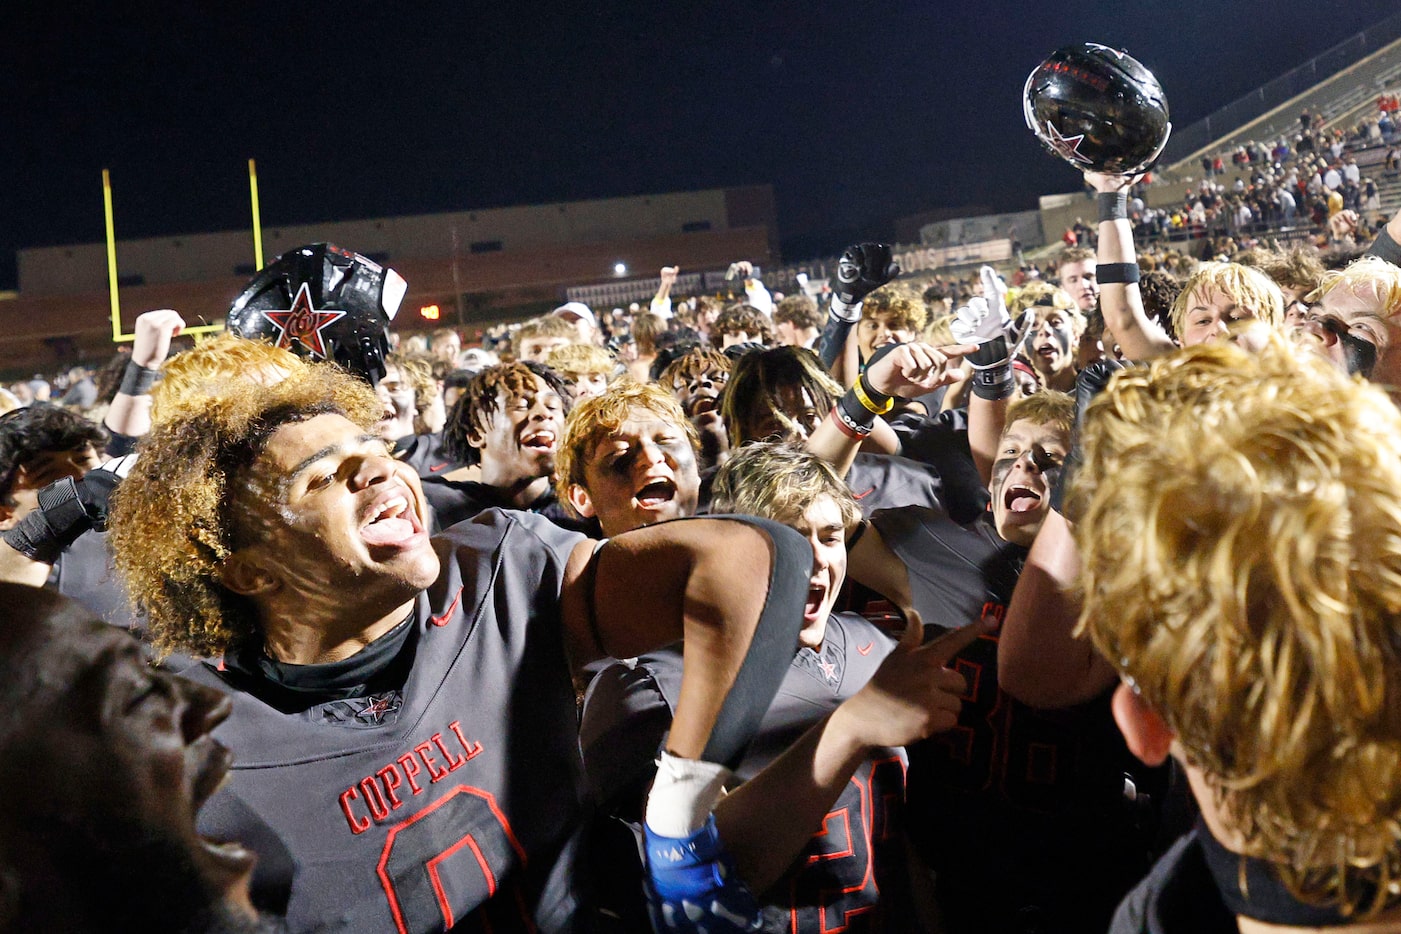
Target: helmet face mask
[(323, 302), (1098, 109)]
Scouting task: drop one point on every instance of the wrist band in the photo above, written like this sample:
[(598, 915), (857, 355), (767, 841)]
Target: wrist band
[(855, 416), (1386, 247), (844, 312), (1113, 205), (993, 381), (1117, 273), (852, 431), (137, 380), (878, 403)]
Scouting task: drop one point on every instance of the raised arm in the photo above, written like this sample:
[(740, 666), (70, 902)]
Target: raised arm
[(661, 302), (130, 412), (898, 370), (1039, 660), (863, 268), (1119, 297)]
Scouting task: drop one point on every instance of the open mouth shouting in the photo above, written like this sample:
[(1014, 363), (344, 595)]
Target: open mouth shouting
[(542, 440), (658, 493), (211, 774), (813, 609), (1019, 498), (390, 521)]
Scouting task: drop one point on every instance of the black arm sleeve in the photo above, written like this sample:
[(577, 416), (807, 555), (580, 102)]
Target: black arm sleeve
[(833, 339), (1386, 248)]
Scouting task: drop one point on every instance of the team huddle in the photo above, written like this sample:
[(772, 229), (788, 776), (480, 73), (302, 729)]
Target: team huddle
[(1071, 607)]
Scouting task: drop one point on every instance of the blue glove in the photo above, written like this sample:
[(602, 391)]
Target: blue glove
[(692, 886)]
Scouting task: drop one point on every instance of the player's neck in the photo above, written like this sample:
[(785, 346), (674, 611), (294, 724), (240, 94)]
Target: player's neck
[(519, 492), (304, 640)]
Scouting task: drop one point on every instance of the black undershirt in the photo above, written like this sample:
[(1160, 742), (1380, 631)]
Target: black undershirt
[(382, 665)]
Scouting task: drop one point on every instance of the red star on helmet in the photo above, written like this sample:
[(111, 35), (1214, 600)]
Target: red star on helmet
[(1067, 146), (302, 322)]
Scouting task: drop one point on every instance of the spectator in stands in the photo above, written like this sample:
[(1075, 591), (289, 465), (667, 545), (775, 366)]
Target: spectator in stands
[(797, 322)]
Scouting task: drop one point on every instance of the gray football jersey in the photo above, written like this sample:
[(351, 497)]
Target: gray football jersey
[(851, 874), (454, 803)]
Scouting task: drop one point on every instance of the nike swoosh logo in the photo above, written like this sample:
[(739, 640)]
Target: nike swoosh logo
[(866, 649), (863, 495), (437, 467), (441, 621)]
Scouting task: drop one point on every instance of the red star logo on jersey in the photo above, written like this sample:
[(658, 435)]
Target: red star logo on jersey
[(1067, 146), (303, 322), (378, 706)]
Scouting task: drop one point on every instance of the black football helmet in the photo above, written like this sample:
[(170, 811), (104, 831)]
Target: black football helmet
[(1098, 109), (324, 303)]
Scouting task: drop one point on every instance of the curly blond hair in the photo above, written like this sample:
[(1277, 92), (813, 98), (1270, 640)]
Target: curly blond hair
[(188, 378), (174, 519), (1241, 542)]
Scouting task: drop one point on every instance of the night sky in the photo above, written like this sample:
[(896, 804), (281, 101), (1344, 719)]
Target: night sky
[(856, 113)]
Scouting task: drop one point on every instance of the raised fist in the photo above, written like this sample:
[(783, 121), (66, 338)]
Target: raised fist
[(863, 268)]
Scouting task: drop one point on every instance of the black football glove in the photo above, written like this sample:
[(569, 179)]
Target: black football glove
[(67, 509), (863, 268)]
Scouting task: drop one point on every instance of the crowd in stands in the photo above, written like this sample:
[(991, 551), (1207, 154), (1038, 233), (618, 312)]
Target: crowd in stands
[(1055, 598)]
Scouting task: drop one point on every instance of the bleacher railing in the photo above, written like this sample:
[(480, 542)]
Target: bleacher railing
[(1265, 98)]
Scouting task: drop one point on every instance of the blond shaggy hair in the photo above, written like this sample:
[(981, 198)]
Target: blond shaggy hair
[(1371, 279), (1241, 540), (779, 481), (175, 519), (1249, 288)]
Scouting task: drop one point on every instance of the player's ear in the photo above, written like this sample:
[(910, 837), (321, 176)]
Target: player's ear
[(579, 499), (1145, 733), (245, 574), (7, 517)]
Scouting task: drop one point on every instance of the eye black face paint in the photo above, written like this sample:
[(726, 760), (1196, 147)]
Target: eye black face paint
[(1359, 355)]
